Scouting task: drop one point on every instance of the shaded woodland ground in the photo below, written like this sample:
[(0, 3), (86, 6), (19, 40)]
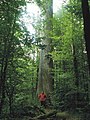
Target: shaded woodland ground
[(34, 112), (37, 113)]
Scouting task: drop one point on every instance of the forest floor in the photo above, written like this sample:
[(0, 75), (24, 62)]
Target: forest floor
[(47, 114), (50, 114), (64, 115), (59, 116)]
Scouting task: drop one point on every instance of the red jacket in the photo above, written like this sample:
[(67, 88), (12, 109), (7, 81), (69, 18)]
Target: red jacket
[(42, 97)]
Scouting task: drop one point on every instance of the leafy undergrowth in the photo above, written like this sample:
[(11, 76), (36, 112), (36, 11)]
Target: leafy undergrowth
[(39, 113), (64, 115)]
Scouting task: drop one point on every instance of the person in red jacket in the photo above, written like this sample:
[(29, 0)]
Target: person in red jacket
[(42, 98)]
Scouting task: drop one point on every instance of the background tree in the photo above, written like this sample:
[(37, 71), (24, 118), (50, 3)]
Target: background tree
[(86, 18), (9, 15)]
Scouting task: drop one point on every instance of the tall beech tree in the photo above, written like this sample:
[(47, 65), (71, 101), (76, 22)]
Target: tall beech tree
[(45, 81)]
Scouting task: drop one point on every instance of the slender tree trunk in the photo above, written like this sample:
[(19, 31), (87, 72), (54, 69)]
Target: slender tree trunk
[(86, 18), (8, 41), (3, 77), (75, 67)]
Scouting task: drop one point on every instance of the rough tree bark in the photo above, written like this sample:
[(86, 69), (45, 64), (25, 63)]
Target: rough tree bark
[(46, 82), (86, 19)]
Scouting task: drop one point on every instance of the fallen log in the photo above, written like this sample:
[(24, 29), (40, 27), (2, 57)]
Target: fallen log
[(44, 116)]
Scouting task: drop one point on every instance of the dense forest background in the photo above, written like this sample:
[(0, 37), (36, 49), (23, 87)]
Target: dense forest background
[(55, 59)]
